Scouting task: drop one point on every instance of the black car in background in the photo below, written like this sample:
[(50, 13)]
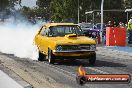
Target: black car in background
[(89, 29), (98, 26)]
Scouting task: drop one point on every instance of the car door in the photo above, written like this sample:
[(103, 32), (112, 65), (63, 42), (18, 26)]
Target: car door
[(43, 40), (38, 38)]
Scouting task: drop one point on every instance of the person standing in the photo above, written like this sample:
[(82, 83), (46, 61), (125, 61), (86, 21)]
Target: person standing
[(130, 31), (109, 24), (121, 25)]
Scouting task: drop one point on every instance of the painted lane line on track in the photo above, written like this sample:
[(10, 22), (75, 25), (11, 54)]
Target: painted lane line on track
[(73, 77), (72, 73), (8, 82), (60, 70)]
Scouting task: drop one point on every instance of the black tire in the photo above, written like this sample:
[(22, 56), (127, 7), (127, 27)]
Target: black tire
[(92, 59), (50, 57), (41, 56)]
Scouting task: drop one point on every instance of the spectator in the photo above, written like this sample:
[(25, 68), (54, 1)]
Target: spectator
[(121, 25), (115, 24), (109, 24), (130, 31)]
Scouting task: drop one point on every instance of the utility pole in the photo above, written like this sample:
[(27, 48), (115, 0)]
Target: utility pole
[(102, 4), (78, 12)]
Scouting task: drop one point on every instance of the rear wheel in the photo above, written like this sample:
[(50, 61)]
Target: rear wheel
[(50, 57), (92, 59), (41, 56)]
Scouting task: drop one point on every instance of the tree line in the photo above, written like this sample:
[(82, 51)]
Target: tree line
[(67, 10)]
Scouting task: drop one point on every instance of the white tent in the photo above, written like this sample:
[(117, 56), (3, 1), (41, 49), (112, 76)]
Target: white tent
[(128, 10)]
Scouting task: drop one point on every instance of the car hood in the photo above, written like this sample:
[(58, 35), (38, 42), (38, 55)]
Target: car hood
[(72, 40)]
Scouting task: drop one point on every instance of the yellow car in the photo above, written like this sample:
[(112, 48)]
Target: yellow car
[(64, 41)]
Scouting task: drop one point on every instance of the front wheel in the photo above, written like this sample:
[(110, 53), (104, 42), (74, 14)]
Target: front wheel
[(41, 56), (92, 59), (50, 57)]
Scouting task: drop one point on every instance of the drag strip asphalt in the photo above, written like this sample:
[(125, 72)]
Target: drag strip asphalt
[(63, 73)]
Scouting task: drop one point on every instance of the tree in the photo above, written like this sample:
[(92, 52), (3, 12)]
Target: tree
[(4, 4), (43, 6), (128, 3), (43, 3), (8, 4), (26, 11), (7, 7), (114, 16), (68, 9), (63, 10)]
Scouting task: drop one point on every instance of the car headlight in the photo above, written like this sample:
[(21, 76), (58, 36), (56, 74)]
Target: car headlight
[(59, 48), (93, 47)]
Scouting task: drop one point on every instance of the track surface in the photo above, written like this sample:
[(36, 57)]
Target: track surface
[(63, 73)]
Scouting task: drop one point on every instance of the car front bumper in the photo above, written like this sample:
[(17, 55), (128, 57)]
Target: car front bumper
[(76, 53), (73, 51)]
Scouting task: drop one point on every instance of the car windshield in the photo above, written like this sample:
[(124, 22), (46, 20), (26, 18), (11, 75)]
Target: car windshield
[(99, 26), (64, 30)]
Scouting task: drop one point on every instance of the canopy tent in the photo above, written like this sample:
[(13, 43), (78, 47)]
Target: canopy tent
[(127, 11)]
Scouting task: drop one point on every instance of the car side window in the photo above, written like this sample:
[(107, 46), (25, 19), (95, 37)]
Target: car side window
[(43, 31)]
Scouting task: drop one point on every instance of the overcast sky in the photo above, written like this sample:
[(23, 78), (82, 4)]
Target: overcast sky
[(29, 3)]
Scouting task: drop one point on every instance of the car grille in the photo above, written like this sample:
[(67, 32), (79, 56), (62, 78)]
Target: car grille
[(76, 47)]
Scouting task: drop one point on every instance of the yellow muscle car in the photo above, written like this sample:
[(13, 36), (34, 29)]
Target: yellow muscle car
[(64, 41)]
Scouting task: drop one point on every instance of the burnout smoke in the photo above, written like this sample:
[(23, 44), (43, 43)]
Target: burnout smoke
[(17, 38)]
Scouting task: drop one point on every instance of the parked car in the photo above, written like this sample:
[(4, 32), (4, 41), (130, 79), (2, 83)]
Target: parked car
[(64, 41), (89, 29), (98, 26)]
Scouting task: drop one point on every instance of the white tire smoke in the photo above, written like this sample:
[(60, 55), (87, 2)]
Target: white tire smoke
[(17, 39)]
